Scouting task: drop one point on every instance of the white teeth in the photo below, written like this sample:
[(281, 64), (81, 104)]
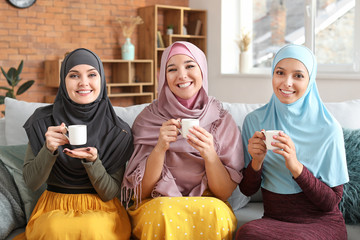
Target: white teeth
[(287, 92), (84, 92), (184, 85)]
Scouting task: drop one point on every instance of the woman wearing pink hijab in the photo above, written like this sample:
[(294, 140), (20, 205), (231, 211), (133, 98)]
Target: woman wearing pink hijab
[(180, 186)]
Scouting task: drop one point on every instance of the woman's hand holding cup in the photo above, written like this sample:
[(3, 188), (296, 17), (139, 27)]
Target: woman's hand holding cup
[(168, 133), (257, 150), (288, 151), (55, 137)]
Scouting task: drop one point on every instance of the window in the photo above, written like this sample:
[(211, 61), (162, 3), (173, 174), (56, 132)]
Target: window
[(331, 28)]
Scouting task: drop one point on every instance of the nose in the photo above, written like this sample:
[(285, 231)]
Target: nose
[(84, 81), (289, 81), (182, 74)]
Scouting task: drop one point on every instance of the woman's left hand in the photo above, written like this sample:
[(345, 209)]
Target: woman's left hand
[(90, 154), (288, 151), (203, 142)]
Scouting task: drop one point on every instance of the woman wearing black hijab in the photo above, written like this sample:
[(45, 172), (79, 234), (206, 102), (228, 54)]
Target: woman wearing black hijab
[(82, 181)]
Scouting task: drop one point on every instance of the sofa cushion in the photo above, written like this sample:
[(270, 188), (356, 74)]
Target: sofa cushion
[(12, 215), (2, 132), (347, 113), (350, 202), (128, 114), (16, 114), (13, 158)]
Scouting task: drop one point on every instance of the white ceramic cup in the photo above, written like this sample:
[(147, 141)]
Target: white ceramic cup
[(77, 134), (186, 124), (269, 138)]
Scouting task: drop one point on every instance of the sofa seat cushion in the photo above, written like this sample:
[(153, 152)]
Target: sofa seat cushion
[(252, 211)]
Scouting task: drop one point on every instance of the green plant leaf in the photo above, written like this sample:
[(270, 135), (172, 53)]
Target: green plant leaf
[(2, 99), (5, 88), (12, 77), (6, 76), (20, 68), (25, 87), (10, 94)]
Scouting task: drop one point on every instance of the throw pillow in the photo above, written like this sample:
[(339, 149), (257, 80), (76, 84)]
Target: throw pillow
[(12, 214), (350, 202), (13, 158), (16, 114)]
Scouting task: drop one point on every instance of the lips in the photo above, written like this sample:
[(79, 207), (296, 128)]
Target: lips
[(84, 91), (287, 92), (184, 85)]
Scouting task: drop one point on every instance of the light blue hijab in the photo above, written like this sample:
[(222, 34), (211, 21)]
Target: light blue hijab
[(317, 136)]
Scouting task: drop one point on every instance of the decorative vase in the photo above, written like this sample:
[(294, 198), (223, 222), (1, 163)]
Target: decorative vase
[(170, 31), (128, 50), (245, 62)]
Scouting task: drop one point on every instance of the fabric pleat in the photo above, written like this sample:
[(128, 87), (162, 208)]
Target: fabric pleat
[(77, 216)]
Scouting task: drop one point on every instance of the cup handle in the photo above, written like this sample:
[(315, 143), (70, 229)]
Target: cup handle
[(263, 131), (65, 133), (180, 127)]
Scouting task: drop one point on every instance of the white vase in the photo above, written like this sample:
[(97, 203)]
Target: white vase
[(128, 50), (170, 31), (245, 62)]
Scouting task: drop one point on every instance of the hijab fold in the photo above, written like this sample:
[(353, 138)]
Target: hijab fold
[(317, 136), (183, 172), (105, 130)]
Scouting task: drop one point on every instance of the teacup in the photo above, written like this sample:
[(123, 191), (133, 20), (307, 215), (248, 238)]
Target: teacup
[(186, 124), (269, 138), (77, 134)]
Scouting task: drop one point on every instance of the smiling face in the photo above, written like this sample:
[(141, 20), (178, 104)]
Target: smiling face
[(290, 80), (183, 76), (83, 84)]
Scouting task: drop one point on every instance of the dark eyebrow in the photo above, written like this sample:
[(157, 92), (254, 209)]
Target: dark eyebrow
[(170, 65), (300, 71), (89, 70)]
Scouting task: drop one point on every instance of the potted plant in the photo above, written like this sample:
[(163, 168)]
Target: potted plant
[(128, 25), (170, 29), (245, 58), (13, 79)]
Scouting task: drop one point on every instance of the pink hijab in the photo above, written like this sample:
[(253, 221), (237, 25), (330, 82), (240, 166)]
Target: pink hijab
[(184, 169)]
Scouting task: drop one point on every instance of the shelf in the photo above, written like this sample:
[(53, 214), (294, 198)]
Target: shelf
[(157, 18), (124, 79)]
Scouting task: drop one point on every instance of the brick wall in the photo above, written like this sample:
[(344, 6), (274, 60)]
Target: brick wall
[(49, 28)]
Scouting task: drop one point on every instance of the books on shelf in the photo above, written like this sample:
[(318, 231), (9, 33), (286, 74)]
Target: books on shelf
[(194, 27), (160, 41), (198, 27)]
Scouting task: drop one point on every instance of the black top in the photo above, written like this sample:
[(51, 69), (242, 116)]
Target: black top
[(105, 130)]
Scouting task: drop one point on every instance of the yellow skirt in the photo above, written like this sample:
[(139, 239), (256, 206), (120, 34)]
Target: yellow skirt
[(182, 218), (77, 216)]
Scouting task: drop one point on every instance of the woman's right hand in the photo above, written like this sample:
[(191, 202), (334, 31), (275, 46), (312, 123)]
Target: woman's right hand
[(257, 150), (55, 137), (168, 133)]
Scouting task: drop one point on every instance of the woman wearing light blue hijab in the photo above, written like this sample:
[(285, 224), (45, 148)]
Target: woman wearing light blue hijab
[(302, 181)]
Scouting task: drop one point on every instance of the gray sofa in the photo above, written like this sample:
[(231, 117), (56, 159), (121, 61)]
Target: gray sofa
[(13, 142)]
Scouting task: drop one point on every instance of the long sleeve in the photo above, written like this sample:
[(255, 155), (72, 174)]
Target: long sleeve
[(36, 169), (106, 185), (321, 195), (251, 182)]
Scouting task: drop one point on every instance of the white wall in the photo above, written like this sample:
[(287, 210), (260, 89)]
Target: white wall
[(257, 89)]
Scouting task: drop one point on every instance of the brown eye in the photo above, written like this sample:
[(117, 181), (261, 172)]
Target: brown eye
[(279, 72)]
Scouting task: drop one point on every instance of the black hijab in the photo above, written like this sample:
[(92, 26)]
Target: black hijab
[(105, 130)]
